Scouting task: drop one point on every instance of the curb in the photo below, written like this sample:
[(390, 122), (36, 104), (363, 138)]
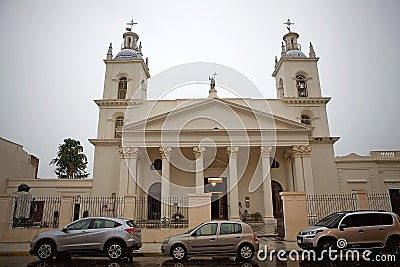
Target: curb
[(14, 253), (26, 253)]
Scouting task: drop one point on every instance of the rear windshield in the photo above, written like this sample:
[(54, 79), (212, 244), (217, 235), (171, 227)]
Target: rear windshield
[(131, 223)]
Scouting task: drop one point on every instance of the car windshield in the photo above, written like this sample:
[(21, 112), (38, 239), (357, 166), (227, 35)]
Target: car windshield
[(330, 221)]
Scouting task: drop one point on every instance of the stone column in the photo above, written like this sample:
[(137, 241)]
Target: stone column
[(298, 169), (165, 180), (127, 176), (294, 212), (198, 154), (66, 210), (289, 172), (199, 208), (266, 173), (233, 183), (307, 168)]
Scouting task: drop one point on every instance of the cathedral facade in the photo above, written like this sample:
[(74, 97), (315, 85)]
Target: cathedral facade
[(243, 151)]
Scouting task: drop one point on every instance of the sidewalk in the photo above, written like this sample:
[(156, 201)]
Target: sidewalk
[(150, 249)]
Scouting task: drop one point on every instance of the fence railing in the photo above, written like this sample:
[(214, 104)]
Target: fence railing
[(112, 206), (319, 206), (167, 212), (379, 201), (35, 212)]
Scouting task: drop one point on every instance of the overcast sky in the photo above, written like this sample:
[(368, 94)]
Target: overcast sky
[(51, 56)]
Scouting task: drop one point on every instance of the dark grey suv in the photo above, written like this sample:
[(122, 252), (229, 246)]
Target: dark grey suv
[(116, 238)]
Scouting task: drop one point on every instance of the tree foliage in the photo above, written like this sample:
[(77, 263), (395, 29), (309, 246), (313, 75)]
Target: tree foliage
[(70, 162)]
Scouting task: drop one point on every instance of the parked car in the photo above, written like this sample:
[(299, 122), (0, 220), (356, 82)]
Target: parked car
[(116, 238), (354, 230), (213, 238)]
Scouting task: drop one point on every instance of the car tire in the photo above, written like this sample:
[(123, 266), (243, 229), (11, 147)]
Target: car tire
[(115, 250), (325, 244), (178, 252), (393, 246), (245, 252), (45, 250)]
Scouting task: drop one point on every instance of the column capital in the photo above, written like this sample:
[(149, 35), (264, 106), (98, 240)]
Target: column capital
[(232, 150), (128, 152), (165, 152), (198, 151), (266, 151), (302, 151)]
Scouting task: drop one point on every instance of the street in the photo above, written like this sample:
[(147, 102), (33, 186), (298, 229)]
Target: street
[(29, 261)]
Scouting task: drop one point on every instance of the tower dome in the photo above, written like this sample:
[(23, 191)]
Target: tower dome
[(129, 48)]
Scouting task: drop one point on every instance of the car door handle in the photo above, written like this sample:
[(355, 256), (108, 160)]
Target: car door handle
[(381, 229), (361, 231), (212, 239), (237, 237)]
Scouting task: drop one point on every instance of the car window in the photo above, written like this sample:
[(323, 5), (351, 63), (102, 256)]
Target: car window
[(354, 220), (131, 223), (103, 223), (79, 225), (380, 219), (207, 229), (230, 228)]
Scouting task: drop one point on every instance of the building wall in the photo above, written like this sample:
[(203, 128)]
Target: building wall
[(376, 173), (15, 163)]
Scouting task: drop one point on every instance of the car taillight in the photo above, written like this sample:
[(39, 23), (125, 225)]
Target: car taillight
[(132, 231), (254, 237)]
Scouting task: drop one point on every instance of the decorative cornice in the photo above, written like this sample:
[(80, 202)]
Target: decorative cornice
[(306, 100), (117, 102), (198, 151), (165, 152), (266, 151), (302, 151), (128, 152), (232, 151), (323, 140)]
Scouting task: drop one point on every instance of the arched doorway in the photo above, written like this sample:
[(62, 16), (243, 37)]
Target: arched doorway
[(276, 200), (154, 202)]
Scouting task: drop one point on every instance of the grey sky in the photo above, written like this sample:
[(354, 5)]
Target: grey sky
[(51, 60)]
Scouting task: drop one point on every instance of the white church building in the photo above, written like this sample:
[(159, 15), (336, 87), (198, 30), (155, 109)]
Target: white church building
[(242, 150)]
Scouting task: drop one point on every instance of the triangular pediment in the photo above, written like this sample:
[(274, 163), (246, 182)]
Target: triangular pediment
[(216, 114)]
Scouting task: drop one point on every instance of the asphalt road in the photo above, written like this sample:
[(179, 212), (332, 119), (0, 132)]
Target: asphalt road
[(20, 261)]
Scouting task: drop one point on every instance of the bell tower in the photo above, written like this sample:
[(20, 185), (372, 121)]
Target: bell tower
[(296, 75)]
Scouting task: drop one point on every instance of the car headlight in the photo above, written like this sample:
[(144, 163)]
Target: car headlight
[(313, 232), (166, 241)]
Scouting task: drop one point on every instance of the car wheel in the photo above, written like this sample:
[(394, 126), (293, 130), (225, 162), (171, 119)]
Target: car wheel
[(245, 252), (393, 246), (115, 250), (178, 252), (45, 250), (325, 245)]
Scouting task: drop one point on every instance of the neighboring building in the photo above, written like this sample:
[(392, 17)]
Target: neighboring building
[(377, 173), (15, 163), (301, 155)]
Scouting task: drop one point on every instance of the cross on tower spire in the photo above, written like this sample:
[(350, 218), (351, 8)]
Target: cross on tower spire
[(131, 23), (288, 23)]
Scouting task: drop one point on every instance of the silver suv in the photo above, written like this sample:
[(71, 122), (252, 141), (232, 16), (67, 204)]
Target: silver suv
[(214, 237), (354, 230), (116, 238)]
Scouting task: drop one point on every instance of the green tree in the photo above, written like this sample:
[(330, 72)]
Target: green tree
[(70, 161)]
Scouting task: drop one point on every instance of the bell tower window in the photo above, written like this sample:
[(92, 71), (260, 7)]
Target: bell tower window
[(122, 87), (301, 86), (119, 123)]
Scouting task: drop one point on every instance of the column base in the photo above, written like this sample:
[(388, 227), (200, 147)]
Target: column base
[(269, 221)]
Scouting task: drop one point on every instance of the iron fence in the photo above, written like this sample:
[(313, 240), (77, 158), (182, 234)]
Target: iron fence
[(35, 212), (379, 201), (98, 206), (319, 206), (167, 212)]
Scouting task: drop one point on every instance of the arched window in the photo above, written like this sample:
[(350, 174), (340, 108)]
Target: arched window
[(305, 119), (119, 123), (122, 87), (301, 86)]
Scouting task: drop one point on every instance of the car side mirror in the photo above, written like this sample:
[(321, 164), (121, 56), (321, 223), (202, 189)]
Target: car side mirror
[(65, 230), (194, 233), (342, 226)]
